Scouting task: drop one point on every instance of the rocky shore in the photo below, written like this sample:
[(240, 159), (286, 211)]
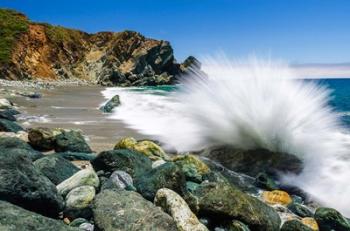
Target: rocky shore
[(40, 51), (51, 179)]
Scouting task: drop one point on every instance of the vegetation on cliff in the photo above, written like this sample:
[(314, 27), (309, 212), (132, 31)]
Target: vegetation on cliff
[(12, 25)]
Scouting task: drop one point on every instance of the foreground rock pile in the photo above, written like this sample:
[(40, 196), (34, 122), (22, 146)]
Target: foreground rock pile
[(54, 181)]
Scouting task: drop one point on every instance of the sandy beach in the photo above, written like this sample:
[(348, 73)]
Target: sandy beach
[(73, 107)]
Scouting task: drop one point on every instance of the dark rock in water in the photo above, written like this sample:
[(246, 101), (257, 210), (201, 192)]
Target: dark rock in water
[(7, 114), (22, 184), (223, 202), (12, 111), (43, 139), (56, 168), (126, 160), (76, 155), (263, 180), (112, 103), (300, 210), (294, 225), (32, 95), (14, 218), (19, 146), (191, 62), (220, 173), (9, 126), (71, 141), (167, 175), (329, 219), (125, 210), (252, 162)]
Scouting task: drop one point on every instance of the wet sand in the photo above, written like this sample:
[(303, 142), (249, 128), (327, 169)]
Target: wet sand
[(74, 107)]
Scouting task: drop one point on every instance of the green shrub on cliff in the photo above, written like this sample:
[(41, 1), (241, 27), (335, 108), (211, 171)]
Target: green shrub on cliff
[(58, 34), (12, 24)]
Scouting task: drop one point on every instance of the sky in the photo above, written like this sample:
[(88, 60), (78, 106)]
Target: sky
[(297, 31)]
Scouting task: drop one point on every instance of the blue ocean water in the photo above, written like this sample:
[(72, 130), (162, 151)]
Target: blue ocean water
[(340, 100)]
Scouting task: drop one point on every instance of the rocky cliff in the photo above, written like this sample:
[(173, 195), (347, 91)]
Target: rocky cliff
[(30, 50)]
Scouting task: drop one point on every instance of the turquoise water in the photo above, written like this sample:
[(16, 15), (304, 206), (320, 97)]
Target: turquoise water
[(340, 100)]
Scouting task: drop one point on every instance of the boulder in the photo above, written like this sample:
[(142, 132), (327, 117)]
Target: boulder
[(192, 167), (330, 219), (76, 155), (237, 226), (133, 163), (22, 184), (119, 180), (310, 222), (72, 141), (165, 176), (5, 104), (14, 218), (9, 126), (295, 225), (78, 202), (264, 181), (175, 206), (146, 147), (277, 197), (7, 114), (19, 145), (252, 162), (300, 210), (111, 104), (126, 210), (42, 138), (56, 168), (83, 177), (215, 200)]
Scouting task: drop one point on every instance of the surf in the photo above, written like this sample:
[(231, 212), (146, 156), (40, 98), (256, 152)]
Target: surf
[(251, 104)]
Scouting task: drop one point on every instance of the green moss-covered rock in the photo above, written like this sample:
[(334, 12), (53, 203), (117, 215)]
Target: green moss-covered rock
[(329, 219), (18, 145), (294, 225), (43, 138), (76, 155), (125, 210), (126, 160), (300, 210), (237, 226), (83, 177), (165, 176), (146, 147), (263, 180), (72, 141), (223, 200), (77, 222), (9, 126), (56, 168), (111, 104), (192, 166), (14, 218), (22, 184), (78, 202)]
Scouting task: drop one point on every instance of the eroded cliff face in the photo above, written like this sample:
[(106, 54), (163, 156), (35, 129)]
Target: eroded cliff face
[(43, 51)]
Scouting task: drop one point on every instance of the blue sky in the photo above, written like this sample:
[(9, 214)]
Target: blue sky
[(298, 31)]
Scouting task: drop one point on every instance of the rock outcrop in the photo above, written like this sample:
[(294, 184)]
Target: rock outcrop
[(32, 50)]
